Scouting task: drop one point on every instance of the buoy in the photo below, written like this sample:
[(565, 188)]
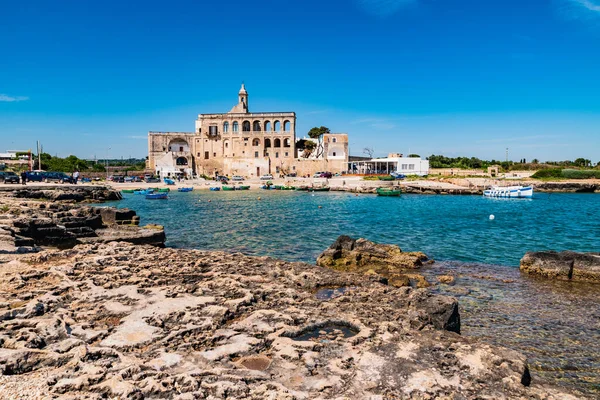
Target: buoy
[(492, 217), (320, 206), (209, 201), (313, 194), (259, 198)]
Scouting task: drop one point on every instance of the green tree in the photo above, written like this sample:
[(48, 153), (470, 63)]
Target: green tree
[(317, 133), (580, 162), (414, 156)]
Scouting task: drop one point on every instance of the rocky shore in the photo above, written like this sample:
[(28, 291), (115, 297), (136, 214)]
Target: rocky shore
[(566, 265), (110, 319)]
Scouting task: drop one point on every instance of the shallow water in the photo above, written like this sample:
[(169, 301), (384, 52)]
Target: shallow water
[(556, 324)]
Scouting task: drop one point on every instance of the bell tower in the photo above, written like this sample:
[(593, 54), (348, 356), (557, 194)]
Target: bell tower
[(243, 97)]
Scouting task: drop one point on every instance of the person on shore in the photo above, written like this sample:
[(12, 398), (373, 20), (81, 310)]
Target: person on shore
[(23, 178), (75, 177)]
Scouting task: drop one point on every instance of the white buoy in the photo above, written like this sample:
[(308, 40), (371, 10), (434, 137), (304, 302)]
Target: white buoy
[(492, 217)]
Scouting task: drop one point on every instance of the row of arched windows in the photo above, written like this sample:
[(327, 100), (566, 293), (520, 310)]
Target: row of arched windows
[(276, 142), (256, 126)]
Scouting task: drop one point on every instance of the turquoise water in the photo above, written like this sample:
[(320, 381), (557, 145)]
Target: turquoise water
[(291, 226)]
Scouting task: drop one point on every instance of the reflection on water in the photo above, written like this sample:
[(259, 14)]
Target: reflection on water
[(556, 324)]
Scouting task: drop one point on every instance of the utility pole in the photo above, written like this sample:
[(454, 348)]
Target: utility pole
[(507, 154), (39, 155)]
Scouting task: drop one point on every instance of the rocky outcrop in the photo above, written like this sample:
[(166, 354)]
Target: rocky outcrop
[(566, 265), (27, 225), (67, 193), (122, 321), (567, 187), (364, 256)]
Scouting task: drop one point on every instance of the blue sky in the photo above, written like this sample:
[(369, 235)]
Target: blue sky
[(452, 77)]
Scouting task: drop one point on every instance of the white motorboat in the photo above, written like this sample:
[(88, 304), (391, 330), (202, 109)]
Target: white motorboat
[(509, 192)]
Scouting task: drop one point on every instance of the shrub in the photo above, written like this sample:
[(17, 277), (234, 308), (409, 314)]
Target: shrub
[(548, 173), (580, 174)]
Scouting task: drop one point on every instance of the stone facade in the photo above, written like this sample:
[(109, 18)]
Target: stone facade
[(240, 143)]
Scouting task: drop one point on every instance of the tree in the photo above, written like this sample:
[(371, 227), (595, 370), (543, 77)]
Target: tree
[(369, 152), (414, 156), (317, 133), (535, 161), (580, 162), (306, 147)]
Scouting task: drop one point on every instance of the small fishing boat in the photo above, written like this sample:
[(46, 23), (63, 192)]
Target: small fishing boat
[(169, 181), (185, 189), (302, 188), (143, 191), (128, 190), (164, 190), (215, 189), (513, 192), (389, 192), (266, 187), (287, 188), (228, 188), (243, 187), (320, 189), (157, 196)]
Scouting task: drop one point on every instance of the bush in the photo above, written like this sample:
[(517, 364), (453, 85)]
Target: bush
[(580, 174), (548, 173)]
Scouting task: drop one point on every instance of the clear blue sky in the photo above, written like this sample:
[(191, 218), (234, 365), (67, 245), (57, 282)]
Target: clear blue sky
[(453, 77)]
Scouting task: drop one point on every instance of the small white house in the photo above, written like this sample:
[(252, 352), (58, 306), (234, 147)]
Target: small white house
[(392, 163)]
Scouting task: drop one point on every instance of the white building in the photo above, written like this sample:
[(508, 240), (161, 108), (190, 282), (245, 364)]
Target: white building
[(392, 163)]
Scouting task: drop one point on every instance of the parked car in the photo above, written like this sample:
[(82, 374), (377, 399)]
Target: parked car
[(151, 179), (292, 175), (222, 179), (35, 176), (266, 177), (323, 175), (9, 177), (129, 179), (237, 178), (57, 177)]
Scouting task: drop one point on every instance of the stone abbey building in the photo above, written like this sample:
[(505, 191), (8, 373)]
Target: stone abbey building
[(240, 142)]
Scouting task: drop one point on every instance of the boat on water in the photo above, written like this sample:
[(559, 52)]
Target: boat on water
[(320, 189), (243, 187), (395, 192), (185, 189), (226, 188), (128, 190), (157, 196), (302, 188), (143, 191), (287, 188), (513, 192), (215, 189), (169, 181), (164, 190)]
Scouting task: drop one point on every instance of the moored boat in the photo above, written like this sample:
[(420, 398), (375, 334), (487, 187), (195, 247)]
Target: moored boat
[(128, 190), (169, 181), (157, 196), (226, 188), (185, 189), (302, 188), (319, 189), (164, 190), (287, 188), (395, 192), (143, 191), (243, 187), (514, 192), (215, 189)]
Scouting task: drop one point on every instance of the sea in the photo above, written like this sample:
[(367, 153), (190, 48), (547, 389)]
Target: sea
[(478, 240)]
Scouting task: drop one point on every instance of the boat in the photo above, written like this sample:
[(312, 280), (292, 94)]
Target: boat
[(128, 190), (320, 189), (169, 181), (243, 187), (143, 191), (157, 196), (185, 189), (164, 190), (389, 192), (516, 192), (302, 188), (287, 188), (215, 189), (228, 187)]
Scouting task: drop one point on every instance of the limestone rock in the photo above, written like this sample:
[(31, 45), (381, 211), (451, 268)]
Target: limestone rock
[(566, 265)]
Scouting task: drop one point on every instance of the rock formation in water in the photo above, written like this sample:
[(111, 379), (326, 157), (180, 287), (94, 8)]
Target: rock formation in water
[(566, 265), (366, 257)]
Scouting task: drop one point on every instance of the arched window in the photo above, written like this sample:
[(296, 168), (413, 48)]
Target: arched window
[(235, 126), (255, 142), (226, 145), (267, 143), (276, 126), (286, 126), (225, 127), (277, 143), (256, 126), (286, 142), (267, 126), (181, 161), (246, 126), (334, 140)]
